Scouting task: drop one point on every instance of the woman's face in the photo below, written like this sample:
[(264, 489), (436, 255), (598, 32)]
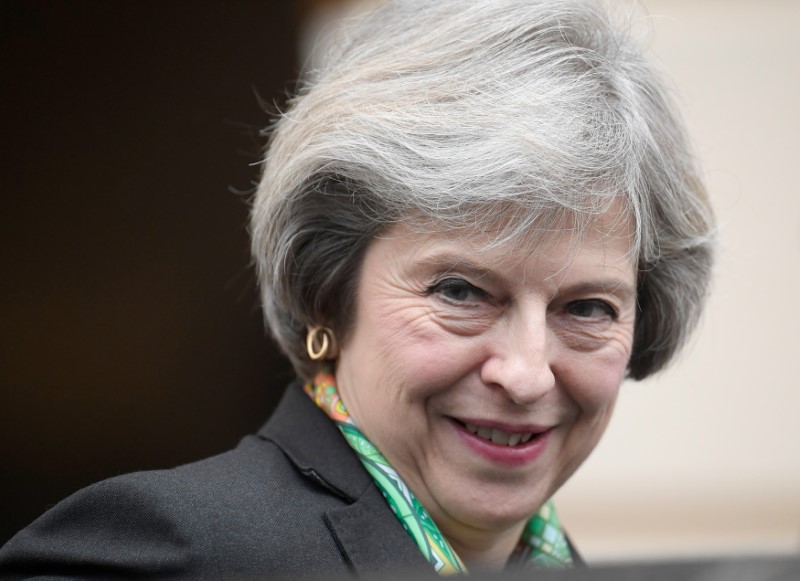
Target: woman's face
[(487, 377)]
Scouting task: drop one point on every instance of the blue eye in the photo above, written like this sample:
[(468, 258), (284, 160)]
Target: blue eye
[(591, 309), (458, 290)]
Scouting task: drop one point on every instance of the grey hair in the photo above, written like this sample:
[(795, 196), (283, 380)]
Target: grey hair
[(535, 115)]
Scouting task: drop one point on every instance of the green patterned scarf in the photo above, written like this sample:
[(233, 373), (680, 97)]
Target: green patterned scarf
[(542, 543)]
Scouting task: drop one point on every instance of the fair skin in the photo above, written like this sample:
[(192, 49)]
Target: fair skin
[(487, 377)]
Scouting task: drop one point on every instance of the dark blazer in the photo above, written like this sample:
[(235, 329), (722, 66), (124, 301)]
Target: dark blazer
[(294, 499)]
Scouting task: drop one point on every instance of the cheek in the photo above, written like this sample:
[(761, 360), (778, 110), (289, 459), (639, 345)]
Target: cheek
[(593, 377), (593, 384), (594, 390), (410, 345)]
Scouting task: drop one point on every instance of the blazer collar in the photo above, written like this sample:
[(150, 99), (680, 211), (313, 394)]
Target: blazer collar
[(314, 444), (366, 530)]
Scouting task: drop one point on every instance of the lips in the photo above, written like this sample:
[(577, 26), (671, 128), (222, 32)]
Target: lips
[(500, 437), (501, 443)]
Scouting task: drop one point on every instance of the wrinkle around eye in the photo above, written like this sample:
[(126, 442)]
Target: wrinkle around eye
[(472, 320), (589, 335)]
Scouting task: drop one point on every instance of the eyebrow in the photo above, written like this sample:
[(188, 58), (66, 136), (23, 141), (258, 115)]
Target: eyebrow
[(453, 261), (612, 286)]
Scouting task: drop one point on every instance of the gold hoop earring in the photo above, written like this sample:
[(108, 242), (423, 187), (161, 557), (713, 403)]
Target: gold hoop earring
[(320, 343)]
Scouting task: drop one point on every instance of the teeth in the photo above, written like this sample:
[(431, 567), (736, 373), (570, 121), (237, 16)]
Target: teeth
[(498, 436)]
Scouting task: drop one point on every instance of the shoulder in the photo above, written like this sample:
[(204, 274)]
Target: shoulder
[(245, 511)]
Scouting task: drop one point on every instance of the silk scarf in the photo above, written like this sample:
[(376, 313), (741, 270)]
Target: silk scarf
[(542, 543)]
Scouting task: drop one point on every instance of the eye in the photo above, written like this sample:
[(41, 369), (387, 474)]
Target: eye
[(457, 290), (591, 309)]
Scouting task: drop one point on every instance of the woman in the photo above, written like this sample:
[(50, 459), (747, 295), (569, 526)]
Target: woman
[(474, 220)]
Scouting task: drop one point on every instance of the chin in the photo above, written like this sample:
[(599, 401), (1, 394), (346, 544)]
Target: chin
[(496, 508)]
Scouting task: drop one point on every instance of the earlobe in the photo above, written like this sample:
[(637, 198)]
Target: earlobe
[(321, 343)]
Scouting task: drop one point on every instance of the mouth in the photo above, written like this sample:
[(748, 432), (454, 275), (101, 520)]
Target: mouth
[(504, 444), (511, 439)]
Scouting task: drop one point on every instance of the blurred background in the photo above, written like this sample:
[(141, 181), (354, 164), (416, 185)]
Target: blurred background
[(130, 335)]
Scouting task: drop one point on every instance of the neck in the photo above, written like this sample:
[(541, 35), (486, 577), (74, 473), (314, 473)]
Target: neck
[(484, 550)]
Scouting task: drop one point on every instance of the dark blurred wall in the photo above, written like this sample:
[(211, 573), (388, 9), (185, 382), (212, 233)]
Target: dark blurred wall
[(130, 335)]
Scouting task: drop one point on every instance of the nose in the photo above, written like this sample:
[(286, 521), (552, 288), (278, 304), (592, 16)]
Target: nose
[(520, 360)]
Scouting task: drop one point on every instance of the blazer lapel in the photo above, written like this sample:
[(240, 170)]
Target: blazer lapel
[(370, 536), (366, 531)]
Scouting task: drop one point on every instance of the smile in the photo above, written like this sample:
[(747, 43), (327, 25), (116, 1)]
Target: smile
[(504, 444), (499, 436)]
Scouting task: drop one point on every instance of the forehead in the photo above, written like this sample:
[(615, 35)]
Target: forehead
[(519, 237), (523, 227)]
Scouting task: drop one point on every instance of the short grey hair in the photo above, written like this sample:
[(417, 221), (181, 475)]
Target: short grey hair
[(533, 114)]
